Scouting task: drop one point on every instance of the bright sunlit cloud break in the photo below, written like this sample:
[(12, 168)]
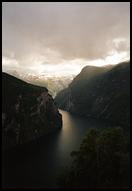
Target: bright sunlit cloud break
[(60, 38)]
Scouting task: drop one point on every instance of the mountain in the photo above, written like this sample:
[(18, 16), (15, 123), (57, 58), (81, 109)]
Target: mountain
[(28, 112), (53, 83), (99, 92)]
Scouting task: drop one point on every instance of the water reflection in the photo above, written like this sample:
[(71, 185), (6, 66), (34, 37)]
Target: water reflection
[(38, 164)]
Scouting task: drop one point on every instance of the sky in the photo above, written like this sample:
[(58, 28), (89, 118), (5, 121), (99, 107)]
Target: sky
[(60, 38)]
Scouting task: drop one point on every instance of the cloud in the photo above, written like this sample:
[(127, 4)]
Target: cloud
[(52, 32)]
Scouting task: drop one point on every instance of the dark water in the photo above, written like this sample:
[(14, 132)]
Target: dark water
[(36, 165)]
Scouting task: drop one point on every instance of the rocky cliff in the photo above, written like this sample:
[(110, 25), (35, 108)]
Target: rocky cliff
[(28, 112), (99, 92)]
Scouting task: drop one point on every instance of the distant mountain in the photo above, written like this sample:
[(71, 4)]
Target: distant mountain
[(54, 84), (28, 112), (99, 92)]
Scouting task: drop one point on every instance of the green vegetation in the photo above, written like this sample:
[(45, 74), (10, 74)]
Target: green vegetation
[(101, 162)]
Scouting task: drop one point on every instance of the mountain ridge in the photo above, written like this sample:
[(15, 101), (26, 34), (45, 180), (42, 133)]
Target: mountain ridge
[(104, 94), (28, 112)]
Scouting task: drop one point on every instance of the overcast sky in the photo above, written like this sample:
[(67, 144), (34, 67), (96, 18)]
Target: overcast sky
[(63, 37)]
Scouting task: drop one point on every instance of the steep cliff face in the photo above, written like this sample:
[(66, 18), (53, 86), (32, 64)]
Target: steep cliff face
[(28, 112), (99, 93), (74, 96)]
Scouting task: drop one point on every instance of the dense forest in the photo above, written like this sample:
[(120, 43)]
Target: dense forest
[(102, 161)]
